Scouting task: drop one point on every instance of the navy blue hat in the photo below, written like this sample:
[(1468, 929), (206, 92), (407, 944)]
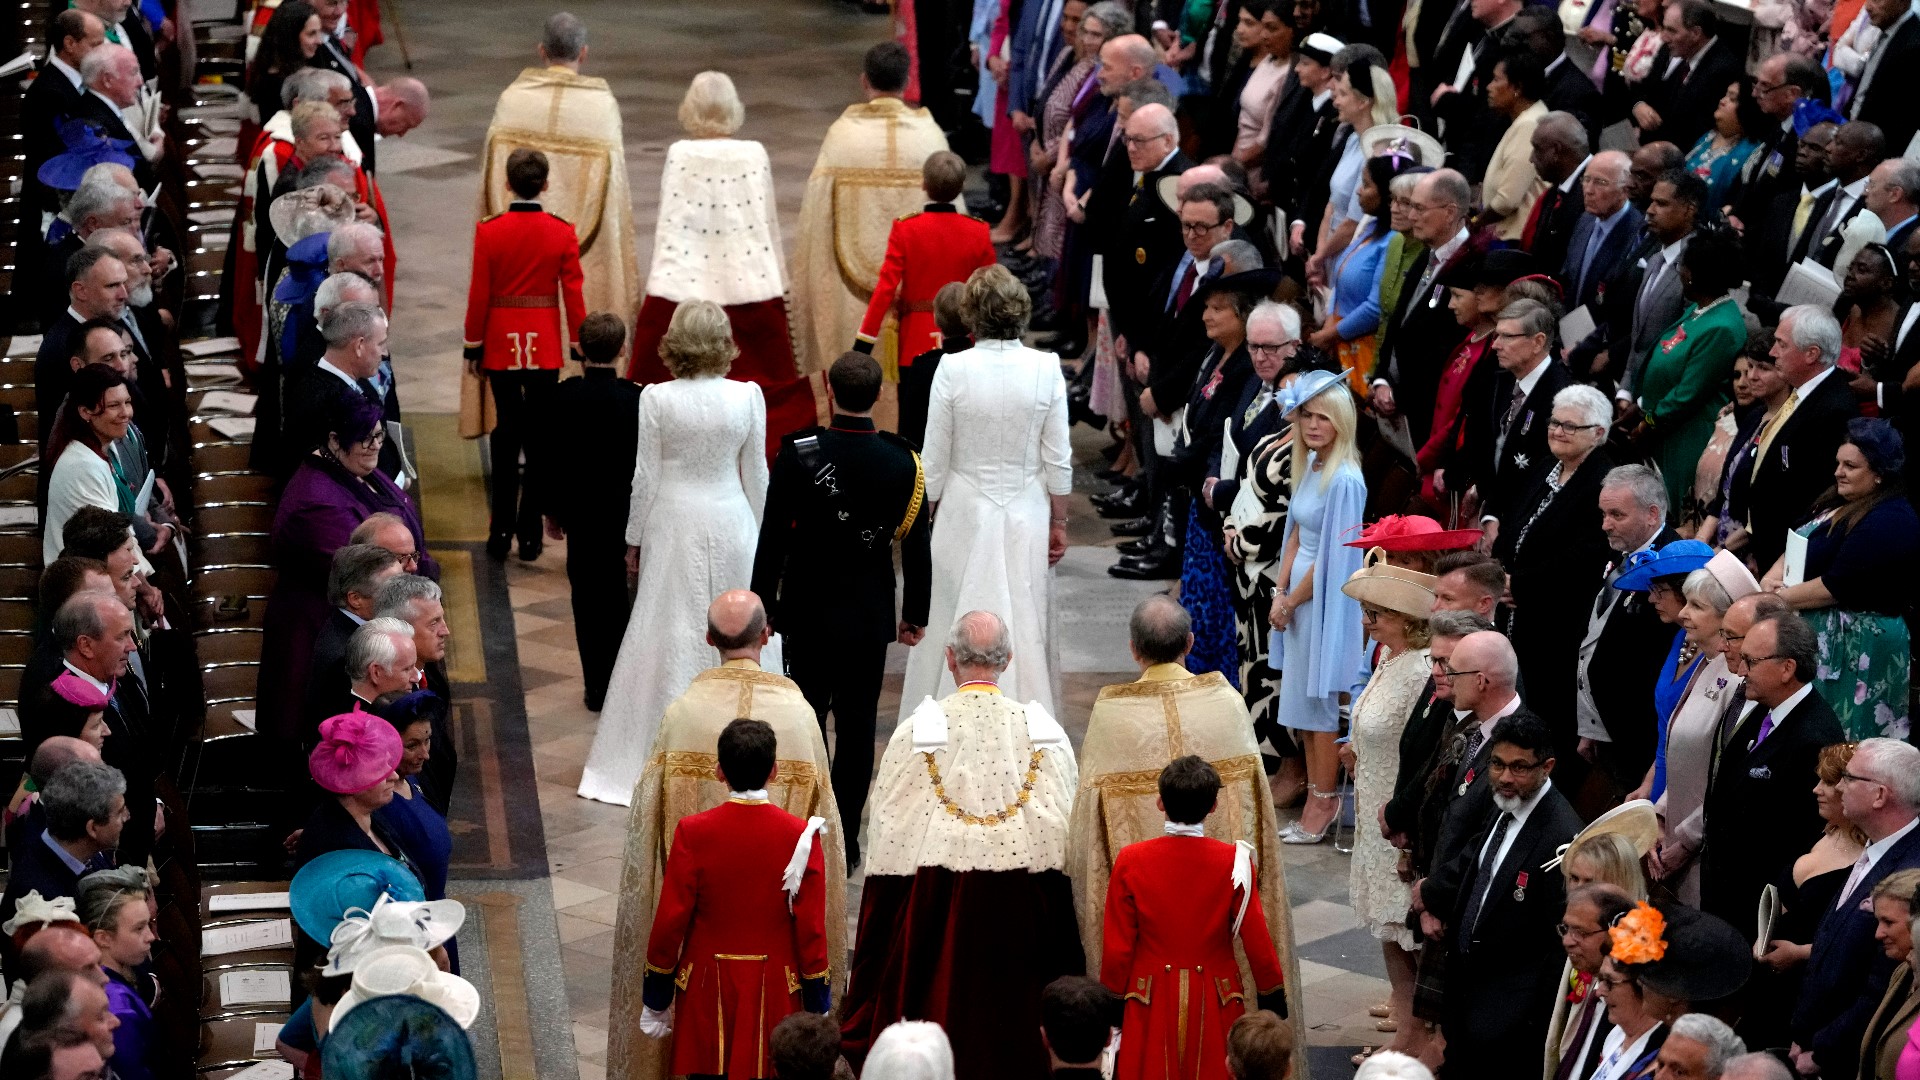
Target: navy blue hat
[(397, 1035), (1880, 443), (87, 146)]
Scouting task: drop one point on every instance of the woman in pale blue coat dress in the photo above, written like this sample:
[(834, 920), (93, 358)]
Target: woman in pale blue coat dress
[(1318, 647)]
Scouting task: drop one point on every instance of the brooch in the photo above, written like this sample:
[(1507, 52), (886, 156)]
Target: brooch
[(1679, 335)]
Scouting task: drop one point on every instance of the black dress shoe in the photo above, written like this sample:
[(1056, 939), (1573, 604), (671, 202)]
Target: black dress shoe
[(853, 855), (1159, 566), (498, 546), (1139, 526), (1139, 546), (1123, 504), (530, 549), (1124, 493)]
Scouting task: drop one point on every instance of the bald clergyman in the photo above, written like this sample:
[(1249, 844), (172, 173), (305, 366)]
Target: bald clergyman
[(681, 778), (1135, 729)]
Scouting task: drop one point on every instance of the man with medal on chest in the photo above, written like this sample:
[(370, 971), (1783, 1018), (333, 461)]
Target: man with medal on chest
[(1494, 905), (838, 500)]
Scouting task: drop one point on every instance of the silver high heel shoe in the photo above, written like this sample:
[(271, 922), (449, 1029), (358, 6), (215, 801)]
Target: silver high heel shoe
[(1294, 834)]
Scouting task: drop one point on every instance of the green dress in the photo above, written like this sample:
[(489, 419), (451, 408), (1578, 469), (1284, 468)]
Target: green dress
[(1685, 382)]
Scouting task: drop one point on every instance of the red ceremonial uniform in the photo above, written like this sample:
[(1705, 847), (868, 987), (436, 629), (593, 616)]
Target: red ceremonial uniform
[(925, 252), (724, 932), (526, 264), (1168, 949)]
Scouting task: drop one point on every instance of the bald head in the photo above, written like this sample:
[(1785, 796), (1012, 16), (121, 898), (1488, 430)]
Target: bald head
[(56, 753), (1132, 52), (403, 106), (63, 947), (1154, 120), (737, 625), (1201, 174), (1491, 655), (1161, 631)]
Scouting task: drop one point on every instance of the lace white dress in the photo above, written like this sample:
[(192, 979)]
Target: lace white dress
[(996, 449), (1380, 898), (699, 487)]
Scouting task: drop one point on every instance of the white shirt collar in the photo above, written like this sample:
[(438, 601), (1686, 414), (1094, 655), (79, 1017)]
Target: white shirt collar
[(755, 795), (1320, 99), (1175, 828), (1567, 185), (1852, 192), (327, 366), (1803, 390), (1557, 61), (112, 104), (1879, 847), (357, 620), (1785, 708), (64, 68), (1511, 707), (1693, 62), (1671, 252), (1446, 251), (95, 683), (1532, 378)]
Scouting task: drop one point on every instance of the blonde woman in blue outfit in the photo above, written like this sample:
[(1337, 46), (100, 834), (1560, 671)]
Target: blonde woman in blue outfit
[(1317, 644)]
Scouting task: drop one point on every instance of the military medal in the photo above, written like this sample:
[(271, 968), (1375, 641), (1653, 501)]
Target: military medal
[(1520, 887), (1140, 256), (1465, 784)]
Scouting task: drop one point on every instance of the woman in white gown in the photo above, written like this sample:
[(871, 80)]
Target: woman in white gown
[(999, 469), (699, 486)]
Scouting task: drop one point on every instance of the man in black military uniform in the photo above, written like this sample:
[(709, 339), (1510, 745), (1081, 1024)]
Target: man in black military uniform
[(840, 498), (590, 424)]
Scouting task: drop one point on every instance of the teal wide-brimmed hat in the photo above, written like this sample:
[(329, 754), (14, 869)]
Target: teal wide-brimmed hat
[(325, 888)]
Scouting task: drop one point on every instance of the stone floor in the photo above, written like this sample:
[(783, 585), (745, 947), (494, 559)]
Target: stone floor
[(796, 65)]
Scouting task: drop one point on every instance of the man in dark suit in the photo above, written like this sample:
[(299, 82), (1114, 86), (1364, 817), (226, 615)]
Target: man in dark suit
[(1893, 196), (98, 204), (1777, 235), (1606, 231), (1578, 1036), (86, 809), (1497, 908), (352, 585), (1621, 654), (1410, 818), (1472, 128), (592, 417), (1690, 75), (1890, 361), (335, 55), (1569, 89), (54, 92), (1146, 234), (838, 502), (1560, 159), (1760, 812), (1793, 455), (1847, 972), (1772, 170), (113, 83), (1890, 83), (98, 290), (1421, 331), (1857, 148), (1506, 414), (356, 342), (1441, 34)]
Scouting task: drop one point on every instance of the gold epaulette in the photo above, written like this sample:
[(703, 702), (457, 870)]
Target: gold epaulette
[(906, 217), (490, 217)]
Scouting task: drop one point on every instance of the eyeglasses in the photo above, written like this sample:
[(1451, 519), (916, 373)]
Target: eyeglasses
[(1419, 209), (1760, 88), (1502, 335), (1592, 179), (1613, 981), (1570, 931), (1495, 765), (1732, 639), (1195, 228), (408, 559), (1283, 347), (1752, 660), (1143, 140), (1568, 427), (1858, 779), (1442, 667)]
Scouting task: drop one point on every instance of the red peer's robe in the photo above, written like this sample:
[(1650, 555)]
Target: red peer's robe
[(1168, 948), (724, 929)]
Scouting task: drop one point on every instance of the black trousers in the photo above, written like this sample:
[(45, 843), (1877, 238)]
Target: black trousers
[(597, 572), (843, 677), (517, 398)]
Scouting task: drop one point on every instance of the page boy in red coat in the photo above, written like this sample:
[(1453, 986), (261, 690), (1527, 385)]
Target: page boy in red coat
[(1175, 906), (926, 250), (741, 931)]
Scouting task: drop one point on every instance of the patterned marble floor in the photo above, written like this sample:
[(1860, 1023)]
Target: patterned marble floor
[(796, 64)]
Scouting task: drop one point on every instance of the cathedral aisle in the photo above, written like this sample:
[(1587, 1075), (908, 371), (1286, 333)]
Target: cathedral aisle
[(796, 65)]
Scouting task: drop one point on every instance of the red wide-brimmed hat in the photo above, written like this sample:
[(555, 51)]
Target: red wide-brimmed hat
[(1411, 532)]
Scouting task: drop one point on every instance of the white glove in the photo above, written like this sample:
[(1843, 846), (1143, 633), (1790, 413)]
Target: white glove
[(657, 1025)]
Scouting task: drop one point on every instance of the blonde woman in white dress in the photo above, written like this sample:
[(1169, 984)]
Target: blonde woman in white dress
[(999, 469), (693, 521), (1394, 603)]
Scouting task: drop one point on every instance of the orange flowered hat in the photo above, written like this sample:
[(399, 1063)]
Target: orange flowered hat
[(1681, 952)]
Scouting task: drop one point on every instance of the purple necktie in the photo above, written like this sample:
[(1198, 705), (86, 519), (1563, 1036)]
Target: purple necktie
[(1766, 726)]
